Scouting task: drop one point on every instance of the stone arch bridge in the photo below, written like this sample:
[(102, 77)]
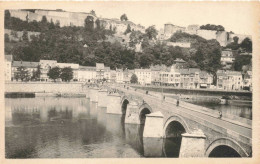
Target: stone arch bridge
[(202, 133)]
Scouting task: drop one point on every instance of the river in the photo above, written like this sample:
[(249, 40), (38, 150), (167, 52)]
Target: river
[(75, 128)]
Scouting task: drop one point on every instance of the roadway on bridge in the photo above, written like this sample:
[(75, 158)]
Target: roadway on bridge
[(247, 132)]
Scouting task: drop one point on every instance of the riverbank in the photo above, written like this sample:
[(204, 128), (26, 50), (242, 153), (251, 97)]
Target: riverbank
[(43, 87), (42, 94)]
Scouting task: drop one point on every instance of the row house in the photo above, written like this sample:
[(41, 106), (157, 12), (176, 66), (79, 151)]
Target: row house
[(205, 79), (112, 76), (86, 74), (75, 68), (155, 73), (124, 76), (170, 78), (229, 80), (119, 76), (29, 66), (102, 72), (127, 75), (107, 73), (45, 66), (144, 76), (194, 77), (187, 78), (100, 69), (227, 58)]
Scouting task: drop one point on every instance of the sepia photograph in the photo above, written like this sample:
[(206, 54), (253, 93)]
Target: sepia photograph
[(121, 79)]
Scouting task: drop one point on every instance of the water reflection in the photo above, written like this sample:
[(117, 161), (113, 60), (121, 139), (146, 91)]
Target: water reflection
[(172, 147), (237, 109), (153, 147), (73, 128), (133, 136)]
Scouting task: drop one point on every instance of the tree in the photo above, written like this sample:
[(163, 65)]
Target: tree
[(98, 26), (54, 73), (151, 32), (134, 79), (22, 73), (7, 39), (123, 17), (57, 24), (240, 61), (25, 36), (44, 19), (135, 38), (44, 24), (37, 74), (246, 44), (51, 26), (235, 39), (128, 29), (66, 74), (212, 27), (89, 23), (93, 12)]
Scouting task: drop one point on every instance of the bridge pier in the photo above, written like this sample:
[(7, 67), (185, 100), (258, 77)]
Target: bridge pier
[(102, 98), (153, 125), (132, 114), (114, 106), (192, 145)]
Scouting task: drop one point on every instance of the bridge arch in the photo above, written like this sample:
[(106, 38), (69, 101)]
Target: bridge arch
[(225, 147), (175, 123), (143, 110), (173, 128)]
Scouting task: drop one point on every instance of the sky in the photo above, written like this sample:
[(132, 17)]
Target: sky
[(236, 16)]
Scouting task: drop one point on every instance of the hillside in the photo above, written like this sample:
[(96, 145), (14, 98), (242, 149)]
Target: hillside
[(66, 44)]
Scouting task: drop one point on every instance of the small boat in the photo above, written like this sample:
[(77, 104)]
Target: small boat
[(224, 100)]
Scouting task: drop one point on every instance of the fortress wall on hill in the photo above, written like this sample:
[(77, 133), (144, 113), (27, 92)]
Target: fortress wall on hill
[(19, 14), (207, 34)]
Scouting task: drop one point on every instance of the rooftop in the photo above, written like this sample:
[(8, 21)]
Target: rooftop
[(25, 64), (142, 70), (159, 68), (178, 60), (228, 73), (87, 68), (100, 66)]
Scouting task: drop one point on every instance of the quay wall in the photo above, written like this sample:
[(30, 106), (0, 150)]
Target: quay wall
[(33, 87), (198, 92)]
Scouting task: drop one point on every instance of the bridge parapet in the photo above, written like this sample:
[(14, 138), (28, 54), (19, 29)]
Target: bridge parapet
[(238, 135)]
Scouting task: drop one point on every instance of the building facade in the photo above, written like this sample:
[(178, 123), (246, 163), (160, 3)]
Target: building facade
[(119, 76), (46, 65), (29, 67), (75, 68), (86, 74), (227, 59), (144, 76), (100, 69), (229, 80)]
